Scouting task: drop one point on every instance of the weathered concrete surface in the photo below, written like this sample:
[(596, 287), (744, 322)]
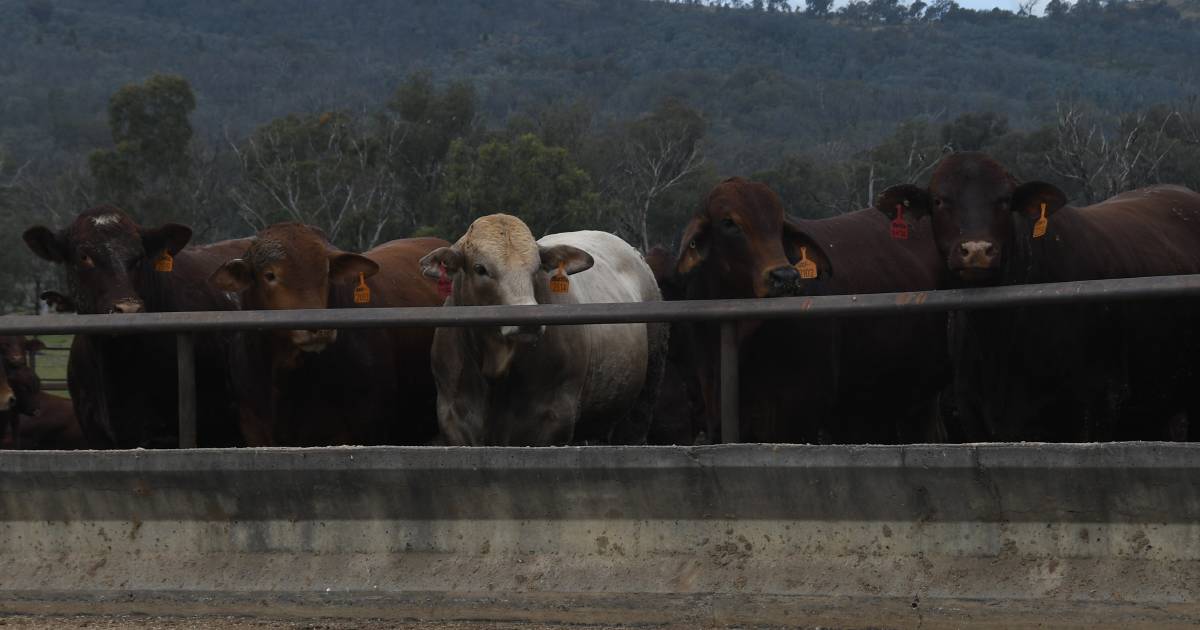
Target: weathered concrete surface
[(988, 536)]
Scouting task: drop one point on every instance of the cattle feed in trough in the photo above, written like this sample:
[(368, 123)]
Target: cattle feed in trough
[(538, 385)]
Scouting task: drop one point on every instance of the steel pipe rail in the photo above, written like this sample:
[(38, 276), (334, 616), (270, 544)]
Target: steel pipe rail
[(853, 305), (725, 311)]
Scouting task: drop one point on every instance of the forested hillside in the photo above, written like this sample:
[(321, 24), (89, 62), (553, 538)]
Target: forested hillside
[(378, 119)]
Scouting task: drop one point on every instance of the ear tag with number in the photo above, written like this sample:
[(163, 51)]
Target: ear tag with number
[(164, 263), (445, 285), (806, 267), (899, 226), (1039, 226), (362, 292), (559, 283)]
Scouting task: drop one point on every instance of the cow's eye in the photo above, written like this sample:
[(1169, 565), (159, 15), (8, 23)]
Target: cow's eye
[(729, 224), (86, 260), (270, 277), (481, 270)]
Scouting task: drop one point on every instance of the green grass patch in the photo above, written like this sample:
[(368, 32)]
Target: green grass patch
[(52, 362)]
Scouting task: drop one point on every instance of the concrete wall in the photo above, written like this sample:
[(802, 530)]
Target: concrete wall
[(994, 536)]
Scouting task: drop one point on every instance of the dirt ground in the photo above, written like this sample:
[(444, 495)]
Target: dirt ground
[(124, 622)]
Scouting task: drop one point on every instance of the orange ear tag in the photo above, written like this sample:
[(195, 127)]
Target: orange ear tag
[(1039, 226), (559, 283), (362, 292), (899, 227), (164, 263), (806, 267)]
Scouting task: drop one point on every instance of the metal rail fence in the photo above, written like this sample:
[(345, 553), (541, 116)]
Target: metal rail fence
[(727, 312)]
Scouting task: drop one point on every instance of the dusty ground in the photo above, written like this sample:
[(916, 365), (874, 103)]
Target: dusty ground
[(124, 622)]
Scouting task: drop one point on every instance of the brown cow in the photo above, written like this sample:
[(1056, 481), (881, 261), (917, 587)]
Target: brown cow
[(124, 388), (804, 380), (1064, 373), (52, 427), (321, 387)]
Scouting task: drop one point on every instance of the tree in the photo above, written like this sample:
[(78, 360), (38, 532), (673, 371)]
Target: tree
[(430, 121), (1100, 163), (818, 8), (660, 151), (974, 131), (330, 170), (151, 128), (520, 176)]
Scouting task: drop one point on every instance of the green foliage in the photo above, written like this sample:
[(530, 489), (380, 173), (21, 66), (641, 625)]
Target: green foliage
[(519, 176), (151, 128)]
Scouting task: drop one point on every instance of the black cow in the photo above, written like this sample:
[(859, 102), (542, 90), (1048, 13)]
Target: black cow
[(124, 387)]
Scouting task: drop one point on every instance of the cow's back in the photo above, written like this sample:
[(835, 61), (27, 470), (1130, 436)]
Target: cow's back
[(866, 259), (619, 357), (1150, 231)]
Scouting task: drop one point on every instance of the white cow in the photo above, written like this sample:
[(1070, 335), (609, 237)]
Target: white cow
[(538, 385)]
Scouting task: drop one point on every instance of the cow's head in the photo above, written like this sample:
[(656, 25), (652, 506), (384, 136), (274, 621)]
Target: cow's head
[(292, 266), (15, 349), (977, 209), (103, 252), (741, 241), (8, 396), (25, 386), (498, 262)]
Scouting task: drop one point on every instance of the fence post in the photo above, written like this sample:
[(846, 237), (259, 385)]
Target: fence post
[(729, 383), (186, 351)]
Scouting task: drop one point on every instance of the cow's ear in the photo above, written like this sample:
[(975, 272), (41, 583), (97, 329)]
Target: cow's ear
[(170, 238), (45, 244), (572, 259), (33, 346), (344, 267), (913, 201), (1029, 197), (59, 302), (234, 276), (448, 257), (693, 248), (800, 247)]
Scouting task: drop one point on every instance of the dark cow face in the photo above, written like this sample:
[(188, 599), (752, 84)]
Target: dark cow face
[(292, 266), (103, 252), (58, 302), (16, 349), (498, 262), (977, 209), (740, 236)]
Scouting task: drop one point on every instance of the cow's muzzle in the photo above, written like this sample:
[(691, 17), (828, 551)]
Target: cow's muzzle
[(8, 400), (976, 259), (527, 333), (127, 306), (313, 340), (783, 281)]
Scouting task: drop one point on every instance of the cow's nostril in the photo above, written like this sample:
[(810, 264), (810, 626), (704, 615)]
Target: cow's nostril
[(963, 249), (990, 250)]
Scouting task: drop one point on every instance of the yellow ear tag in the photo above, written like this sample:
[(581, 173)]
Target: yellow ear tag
[(164, 263), (362, 292), (806, 267), (1039, 226), (559, 283)]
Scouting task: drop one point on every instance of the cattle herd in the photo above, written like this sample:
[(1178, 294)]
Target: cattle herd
[(1125, 370)]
